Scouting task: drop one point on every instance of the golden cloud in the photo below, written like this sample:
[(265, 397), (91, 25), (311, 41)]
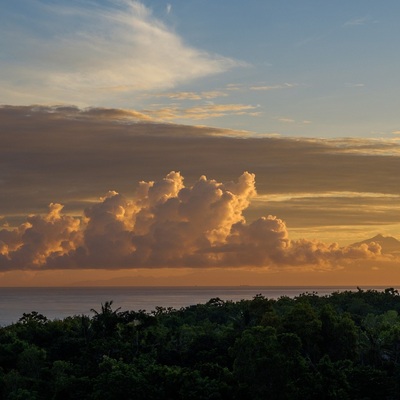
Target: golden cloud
[(201, 112), (168, 224)]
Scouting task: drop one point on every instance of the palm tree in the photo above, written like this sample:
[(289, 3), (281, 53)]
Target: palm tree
[(105, 321), (106, 309)]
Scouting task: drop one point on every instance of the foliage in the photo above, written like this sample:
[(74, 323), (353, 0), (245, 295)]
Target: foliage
[(342, 346)]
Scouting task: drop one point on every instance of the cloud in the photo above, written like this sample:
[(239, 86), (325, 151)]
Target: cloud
[(39, 237), (234, 86), (70, 156), (168, 224), (202, 112), (359, 21), (328, 211), (335, 195), (192, 95), (287, 120), (274, 87), (106, 54), (355, 85)]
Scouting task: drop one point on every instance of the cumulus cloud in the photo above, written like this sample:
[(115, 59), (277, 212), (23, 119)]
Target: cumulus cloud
[(168, 224), (38, 238), (109, 52)]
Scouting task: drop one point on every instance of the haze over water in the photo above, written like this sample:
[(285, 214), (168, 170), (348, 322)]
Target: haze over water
[(59, 303)]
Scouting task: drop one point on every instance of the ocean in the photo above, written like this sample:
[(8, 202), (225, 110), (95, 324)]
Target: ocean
[(61, 302)]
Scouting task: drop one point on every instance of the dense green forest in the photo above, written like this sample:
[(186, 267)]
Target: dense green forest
[(342, 346)]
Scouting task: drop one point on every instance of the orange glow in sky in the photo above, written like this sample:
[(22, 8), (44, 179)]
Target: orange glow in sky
[(255, 144)]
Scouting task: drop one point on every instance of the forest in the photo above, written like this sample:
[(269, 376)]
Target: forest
[(345, 345)]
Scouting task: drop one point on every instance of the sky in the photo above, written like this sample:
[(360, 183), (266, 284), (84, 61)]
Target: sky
[(199, 142)]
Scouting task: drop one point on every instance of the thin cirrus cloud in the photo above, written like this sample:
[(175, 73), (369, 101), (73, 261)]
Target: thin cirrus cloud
[(287, 120), (333, 194), (274, 87), (202, 112), (107, 53), (207, 95), (335, 209), (169, 224), (358, 21)]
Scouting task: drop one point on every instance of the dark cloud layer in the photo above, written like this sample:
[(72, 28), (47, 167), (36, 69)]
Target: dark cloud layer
[(70, 156)]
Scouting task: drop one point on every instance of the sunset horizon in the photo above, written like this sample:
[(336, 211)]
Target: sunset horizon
[(146, 143)]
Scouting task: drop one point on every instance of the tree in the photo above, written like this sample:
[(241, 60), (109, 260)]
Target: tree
[(105, 321)]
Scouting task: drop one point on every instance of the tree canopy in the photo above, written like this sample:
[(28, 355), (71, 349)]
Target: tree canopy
[(341, 346)]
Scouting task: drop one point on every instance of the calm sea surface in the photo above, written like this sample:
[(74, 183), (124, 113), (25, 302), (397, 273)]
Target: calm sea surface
[(58, 303)]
